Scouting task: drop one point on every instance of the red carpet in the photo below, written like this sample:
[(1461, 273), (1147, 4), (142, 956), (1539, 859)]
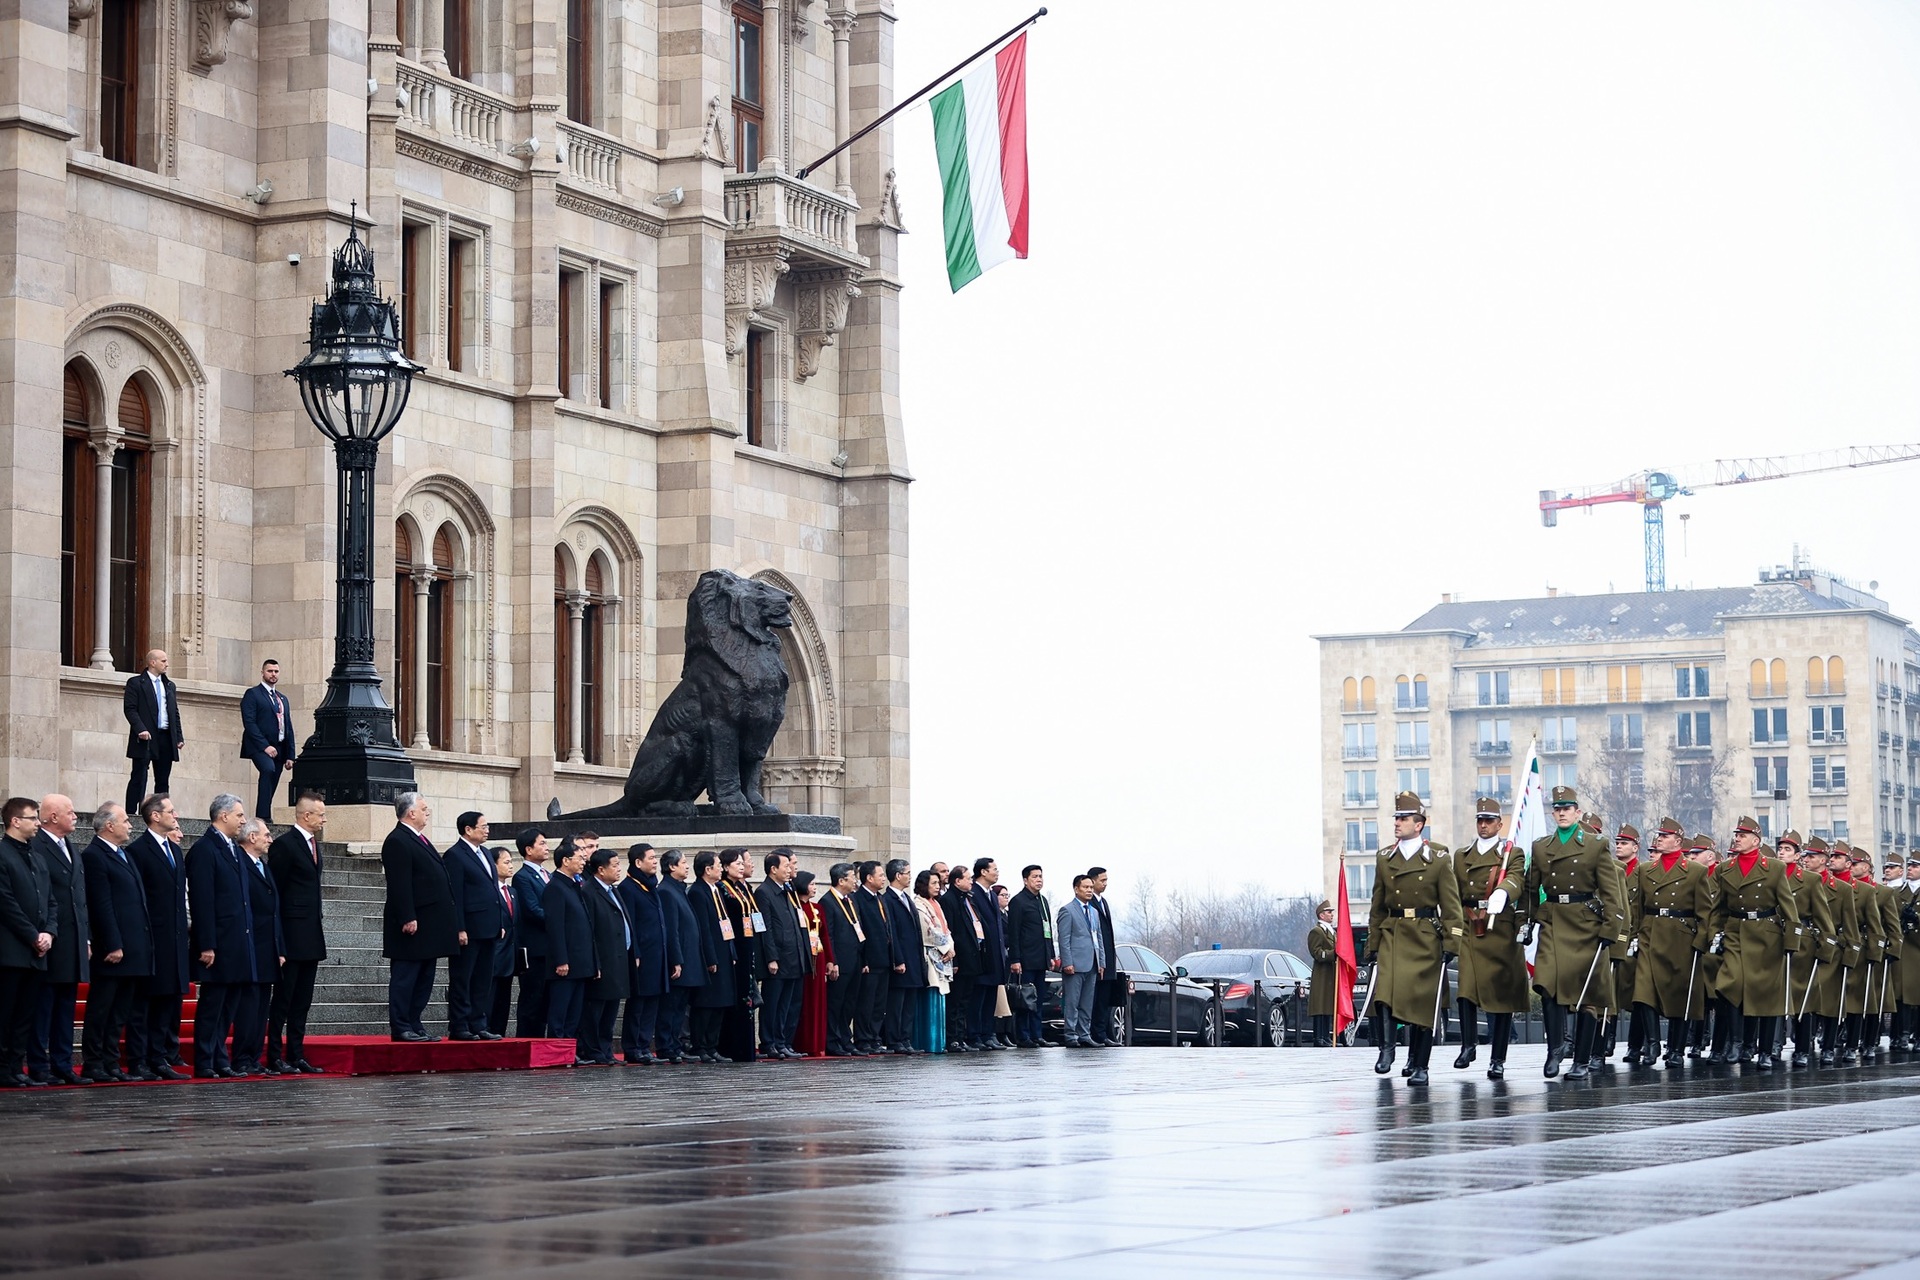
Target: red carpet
[(380, 1056)]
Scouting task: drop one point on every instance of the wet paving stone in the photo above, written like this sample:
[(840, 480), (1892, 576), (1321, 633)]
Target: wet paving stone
[(1131, 1163)]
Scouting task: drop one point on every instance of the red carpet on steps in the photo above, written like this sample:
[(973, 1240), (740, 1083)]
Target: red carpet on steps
[(381, 1056)]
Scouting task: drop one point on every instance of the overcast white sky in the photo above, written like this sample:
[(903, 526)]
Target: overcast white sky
[(1321, 296)]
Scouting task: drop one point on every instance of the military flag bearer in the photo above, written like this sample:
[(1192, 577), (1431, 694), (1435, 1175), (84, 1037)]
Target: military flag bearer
[(1581, 910), (1493, 968)]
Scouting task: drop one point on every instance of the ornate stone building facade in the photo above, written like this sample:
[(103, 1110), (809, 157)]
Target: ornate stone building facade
[(650, 350)]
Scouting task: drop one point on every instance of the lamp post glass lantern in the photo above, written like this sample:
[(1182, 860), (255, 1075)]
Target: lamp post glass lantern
[(354, 384)]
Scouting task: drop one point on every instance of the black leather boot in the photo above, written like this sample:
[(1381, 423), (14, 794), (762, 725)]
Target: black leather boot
[(1383, 1033), (1499, 1033), (1469, 1033), (1556, 1020), (1763, 1060), (1676, 1042), (1419, 1049), (1586, 1034)]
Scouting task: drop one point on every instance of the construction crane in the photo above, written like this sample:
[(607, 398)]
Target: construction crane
[(1652, 490)]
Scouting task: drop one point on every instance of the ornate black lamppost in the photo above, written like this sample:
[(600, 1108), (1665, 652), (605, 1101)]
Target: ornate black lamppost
[(354, 383)]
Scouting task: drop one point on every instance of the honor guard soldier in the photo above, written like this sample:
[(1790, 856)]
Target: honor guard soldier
[(1757, 932), (1493, 969), (1887, 891), (1322, 996), (1581, 911), (1703, 853), (1414, 926), (1908, 901), (1853, 955), (1626, 852), (1675, 898), (1815, 926), (1814, 998), (1864, 1023)]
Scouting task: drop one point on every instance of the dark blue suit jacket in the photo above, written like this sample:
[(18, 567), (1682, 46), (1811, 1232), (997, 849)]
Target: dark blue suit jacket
[(993, 953), (476, 892), (903, 925), (166, 887), (222, 910), (683, 935), (264, 897), (117, 913), (876, 953), (260, 728), (529, 912), (647, 913), (569, 931), (705, 902)]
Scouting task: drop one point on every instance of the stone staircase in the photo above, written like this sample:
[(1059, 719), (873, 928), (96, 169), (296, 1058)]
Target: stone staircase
[(350, 992)]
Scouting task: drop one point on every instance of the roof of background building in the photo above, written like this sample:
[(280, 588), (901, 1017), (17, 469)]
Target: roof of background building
[(1635, 615)]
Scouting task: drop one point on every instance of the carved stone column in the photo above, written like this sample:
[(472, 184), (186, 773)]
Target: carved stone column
[(422, 586), (576, 677), (840, 18), (773, 88), (433, 34), (104, 448)]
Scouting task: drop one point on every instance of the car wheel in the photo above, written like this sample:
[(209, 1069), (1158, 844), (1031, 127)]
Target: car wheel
[(1117, 1026), (1209, 1028), (1276, 1024)]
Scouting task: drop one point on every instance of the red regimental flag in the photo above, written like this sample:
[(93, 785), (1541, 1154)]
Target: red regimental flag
[(1346, 967)]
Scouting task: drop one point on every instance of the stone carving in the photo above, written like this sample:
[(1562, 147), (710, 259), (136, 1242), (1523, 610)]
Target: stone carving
[(212, 25), (78, 11), (822, 315), (714, 142), (887, 212), (750, 286), (713, 732)]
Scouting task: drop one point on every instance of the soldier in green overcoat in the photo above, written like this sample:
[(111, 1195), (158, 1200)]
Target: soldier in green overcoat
[(1414, 926), (1907, 900), (1626, 852), (1322, 996), (1853, 954), (1580, 906), (1676, 899), (1863, 993), (1492, 875), (1814, 898), (1703, 853), (1756, 927)]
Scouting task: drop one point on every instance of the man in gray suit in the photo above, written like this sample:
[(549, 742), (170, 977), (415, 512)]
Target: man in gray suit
[(1082, 945)]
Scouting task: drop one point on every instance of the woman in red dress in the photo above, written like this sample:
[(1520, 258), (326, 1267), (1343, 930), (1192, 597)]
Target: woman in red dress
[(811, 1039)]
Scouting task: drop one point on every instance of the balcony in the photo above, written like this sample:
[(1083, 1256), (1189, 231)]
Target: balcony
[(1885, 737), (1884, 690), (1626, 744), (791, 220), (1886, 787), (1503, 794), (1899, 742), (1492, 750), (453, 112), (1766, 691), (1899, 791), (1836, 787), (1358, 708), (1359, 753), (592, 158), (1419, 751), (1896, 696), (1826, 688), (1559, 746), (1353, 801), (1761, 792), (1411, 704)]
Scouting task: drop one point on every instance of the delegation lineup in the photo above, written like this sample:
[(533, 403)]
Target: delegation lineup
[(1739, 951)]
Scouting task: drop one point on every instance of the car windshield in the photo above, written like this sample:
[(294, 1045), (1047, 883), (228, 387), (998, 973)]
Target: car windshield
[(1218, 964)]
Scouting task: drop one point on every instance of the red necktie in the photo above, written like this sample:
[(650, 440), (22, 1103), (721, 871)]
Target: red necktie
[(506, 896), (313, 849)]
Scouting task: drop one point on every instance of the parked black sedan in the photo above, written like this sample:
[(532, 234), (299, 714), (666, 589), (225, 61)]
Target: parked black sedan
[(1151, 980), (1283, 978)]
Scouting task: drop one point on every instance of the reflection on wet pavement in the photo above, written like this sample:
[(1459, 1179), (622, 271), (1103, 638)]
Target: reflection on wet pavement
[(1122, 1164)]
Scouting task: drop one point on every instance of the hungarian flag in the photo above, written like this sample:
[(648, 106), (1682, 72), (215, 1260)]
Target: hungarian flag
[(1345, 966), (1530, 822), (980, 133)]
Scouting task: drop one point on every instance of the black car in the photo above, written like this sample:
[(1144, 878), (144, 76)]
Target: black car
[(1281, 1003), (1148, 978)]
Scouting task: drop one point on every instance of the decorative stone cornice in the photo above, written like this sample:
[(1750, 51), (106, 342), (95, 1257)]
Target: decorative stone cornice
[(821, 315), (447, 158), (212, 26), (750, 286), (607, 211)]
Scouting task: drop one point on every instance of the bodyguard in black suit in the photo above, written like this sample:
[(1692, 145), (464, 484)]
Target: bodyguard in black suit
[(1110, 992), (571, 964), (153, 1033), (1030, 945), (969, 947), (908, 977), (876, 958), (420, 923), (266, 735), (122, 946), (689, 974), (613, 952), (653, 966), (223, 941), (530, 928), (296, 863), (993, 953), (786, 957), (846, 977), (483, 923), (269, 948), (50, 1056), (26, 921), (154, 734)]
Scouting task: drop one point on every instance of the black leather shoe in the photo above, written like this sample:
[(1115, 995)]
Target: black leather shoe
[(1799, 1061), (1579, 1071), (245, 1071), (267, 1069), (1418, 1079), (225, 1073), (306, 1068), (167, 1072), (67, 1075), (1465, 1057), (1496, 1071), (95, 1077), (142, 1074), (413, 1037), (1763, 1061), (1406, 1071), (1552, 1068), (488, 1035), (466, 1035), (1676, 1058), (282, 1067), (1826, 1057)]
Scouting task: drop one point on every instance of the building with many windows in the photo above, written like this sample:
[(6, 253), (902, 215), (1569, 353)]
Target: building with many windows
[(650, 350), (1793, 699)]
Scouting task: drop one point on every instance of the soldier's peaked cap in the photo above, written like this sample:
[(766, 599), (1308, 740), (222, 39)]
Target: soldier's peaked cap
[(1565, 795), (1628, 832), (1672, 827), (1486, 807), (1747, 826), (1407, 805)]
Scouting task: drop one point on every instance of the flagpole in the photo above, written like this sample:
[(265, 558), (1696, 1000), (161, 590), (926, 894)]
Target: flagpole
[(931, 85)]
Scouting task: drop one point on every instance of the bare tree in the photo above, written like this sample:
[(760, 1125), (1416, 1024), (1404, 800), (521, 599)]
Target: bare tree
[(1618, 785), (1178, 920)]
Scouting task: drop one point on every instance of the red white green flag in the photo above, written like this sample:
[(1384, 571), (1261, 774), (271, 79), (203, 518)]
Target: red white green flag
[(980, 133)]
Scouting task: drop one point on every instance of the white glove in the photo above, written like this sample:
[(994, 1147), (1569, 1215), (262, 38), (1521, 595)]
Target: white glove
[(1497, 902)]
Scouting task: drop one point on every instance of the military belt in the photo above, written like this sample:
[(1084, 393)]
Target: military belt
[(1674, 914), (1418, 913), (1565, 898), (1806, 922), (1480, 903), (1765, 913)]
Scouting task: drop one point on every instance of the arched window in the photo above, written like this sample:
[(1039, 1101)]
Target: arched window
[(438, 663), (424, 651), (749, 105), (104, 519), (1777, 677), (1816, 676), (580, 644), (1836, 675), (1757, 679), (562, 657), (1402, 694), (403, 655), (1368, 693), (1349, 694), (1419, 693)]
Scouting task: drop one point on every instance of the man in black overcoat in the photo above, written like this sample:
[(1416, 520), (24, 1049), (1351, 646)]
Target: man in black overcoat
[(419, 924)]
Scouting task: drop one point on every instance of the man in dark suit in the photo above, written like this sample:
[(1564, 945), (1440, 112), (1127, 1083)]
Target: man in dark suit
[(269, 953), (969, 944), (295, 861), (786, 959), (653, 968), (266, 735), (50, 1056), (876, 960), (613, 952), (1111, 991), (483, 923), (153, 1033), (908, 977), (420, 923), (223, 941), (122, 944), (993, 953), (26, 923), (570, 955), (1030, 953), (846, 971), (530, 927), (683, 956), (509, 958), (154, 733)]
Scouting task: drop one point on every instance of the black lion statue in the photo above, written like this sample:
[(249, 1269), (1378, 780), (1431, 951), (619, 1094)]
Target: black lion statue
[(715, 729)]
